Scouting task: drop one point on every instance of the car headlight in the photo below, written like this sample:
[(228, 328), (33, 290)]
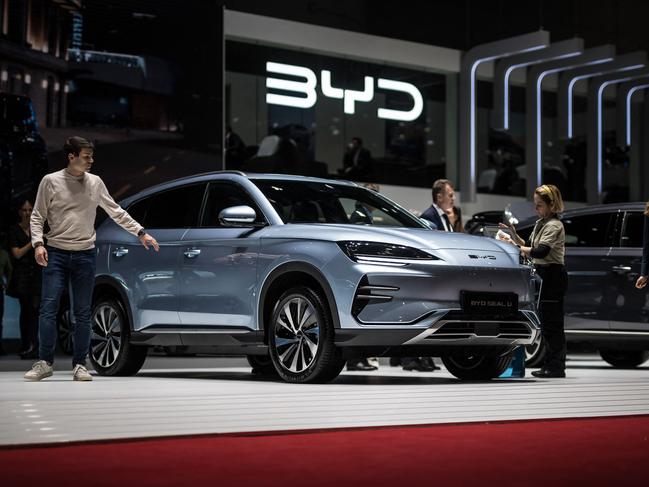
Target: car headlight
[(383, 253)]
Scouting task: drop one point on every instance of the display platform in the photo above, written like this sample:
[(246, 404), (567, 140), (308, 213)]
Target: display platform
[(197, 396)]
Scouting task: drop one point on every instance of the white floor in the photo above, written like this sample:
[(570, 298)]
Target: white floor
[(169, 398)]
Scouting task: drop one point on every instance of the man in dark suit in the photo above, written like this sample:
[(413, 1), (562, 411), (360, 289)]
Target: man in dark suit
[(357, 161), (443, 202)]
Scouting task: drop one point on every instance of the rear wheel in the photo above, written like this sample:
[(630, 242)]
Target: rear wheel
[(111, 352), (476, 367), (625, 359), (301, 338)]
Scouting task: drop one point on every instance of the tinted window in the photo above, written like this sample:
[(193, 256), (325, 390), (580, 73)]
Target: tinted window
[(588, 230), (224, 195), (175, 208), (633, 229), (315, 202)]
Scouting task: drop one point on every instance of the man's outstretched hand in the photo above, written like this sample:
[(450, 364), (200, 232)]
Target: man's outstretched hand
[(147, 240)]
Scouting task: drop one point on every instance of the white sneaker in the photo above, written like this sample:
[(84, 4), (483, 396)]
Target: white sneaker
[(40, 370), (80, 373)]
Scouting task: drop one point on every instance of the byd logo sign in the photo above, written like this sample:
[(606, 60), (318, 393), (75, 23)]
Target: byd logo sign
[(307, 86)]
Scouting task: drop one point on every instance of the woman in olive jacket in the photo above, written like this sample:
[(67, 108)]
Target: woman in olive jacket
[(546, 247)]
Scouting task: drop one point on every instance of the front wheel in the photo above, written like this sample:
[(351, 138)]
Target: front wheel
[(301, 338), (111, 352), (476, 367), (625, 359)]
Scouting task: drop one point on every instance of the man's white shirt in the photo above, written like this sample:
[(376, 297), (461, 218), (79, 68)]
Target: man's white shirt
[(445, 221)]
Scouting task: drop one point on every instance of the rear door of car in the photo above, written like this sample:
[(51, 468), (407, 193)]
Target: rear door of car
[(152, 278), (589, 240), (629, 308)]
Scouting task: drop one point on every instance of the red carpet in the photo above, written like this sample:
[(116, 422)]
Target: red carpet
[(588, 452)]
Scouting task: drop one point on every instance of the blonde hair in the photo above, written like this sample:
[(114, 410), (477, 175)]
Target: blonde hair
[(552, 197)]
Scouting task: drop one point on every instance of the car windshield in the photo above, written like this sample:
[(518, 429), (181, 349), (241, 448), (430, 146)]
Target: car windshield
[(319, 202)]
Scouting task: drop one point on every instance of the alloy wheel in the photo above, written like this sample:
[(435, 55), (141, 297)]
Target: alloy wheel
[(106, 337), (297, 334)]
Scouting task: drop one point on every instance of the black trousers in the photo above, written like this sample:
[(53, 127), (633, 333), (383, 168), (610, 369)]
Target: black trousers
[(29, 305), (553, 291)]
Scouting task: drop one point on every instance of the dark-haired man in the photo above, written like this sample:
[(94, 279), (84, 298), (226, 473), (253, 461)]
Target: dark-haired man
[(68, 200), (443, 203)]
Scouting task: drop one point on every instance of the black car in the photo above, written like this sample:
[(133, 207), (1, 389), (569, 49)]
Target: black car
[(603, 308)]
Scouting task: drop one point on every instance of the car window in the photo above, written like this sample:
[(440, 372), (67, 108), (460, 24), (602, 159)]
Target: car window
[(592, 230), (633, 229), (582, 231), (174, 208), (222, 195), (322, 202)]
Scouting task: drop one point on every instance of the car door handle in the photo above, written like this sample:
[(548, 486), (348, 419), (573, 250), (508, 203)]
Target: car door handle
[(192, 253), (621, 268), (120, 252)]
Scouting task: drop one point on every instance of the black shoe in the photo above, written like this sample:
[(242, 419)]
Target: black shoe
[(549, 374), (419, 365), (362, 365), (395, 361), (429, 362)]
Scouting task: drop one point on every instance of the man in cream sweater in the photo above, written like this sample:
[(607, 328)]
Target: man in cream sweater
[(68, 200)]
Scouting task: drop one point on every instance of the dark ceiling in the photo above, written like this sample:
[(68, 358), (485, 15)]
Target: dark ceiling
[(156, 26)]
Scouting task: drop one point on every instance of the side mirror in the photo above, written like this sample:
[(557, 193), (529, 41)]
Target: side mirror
[(237, 216)]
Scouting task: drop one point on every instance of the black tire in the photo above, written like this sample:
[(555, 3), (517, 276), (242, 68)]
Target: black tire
[(293, 354), (64, 327), (625, 359), (262, 365), (535, 354), (111, 352), (476, 367)]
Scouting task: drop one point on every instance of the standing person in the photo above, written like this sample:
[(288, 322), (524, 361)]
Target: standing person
[(443, 204), (438, 214), (5, 276), (68, 200), (357, 161), (26, 281), (547, 249), (455, 217)]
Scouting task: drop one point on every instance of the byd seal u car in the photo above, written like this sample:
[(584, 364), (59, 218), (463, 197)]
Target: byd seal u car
[(299, 274)]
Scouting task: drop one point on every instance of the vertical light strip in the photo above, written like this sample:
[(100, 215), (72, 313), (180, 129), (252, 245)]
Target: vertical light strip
[(472, 106), (628, 110), (591, 75)]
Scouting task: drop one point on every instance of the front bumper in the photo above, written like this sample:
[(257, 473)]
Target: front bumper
[(447, 329)]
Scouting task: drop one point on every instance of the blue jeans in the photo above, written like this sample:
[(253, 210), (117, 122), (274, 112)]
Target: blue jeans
[(77, 268)]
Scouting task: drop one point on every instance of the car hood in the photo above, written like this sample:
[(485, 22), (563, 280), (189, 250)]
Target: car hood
[(411, 237)]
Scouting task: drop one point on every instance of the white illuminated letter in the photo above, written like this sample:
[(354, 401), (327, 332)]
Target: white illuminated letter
[(306, 87), (327, 89), (405, 116), (352, 96)]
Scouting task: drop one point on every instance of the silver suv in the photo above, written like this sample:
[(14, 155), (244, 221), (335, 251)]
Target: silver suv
[(299, 274)]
